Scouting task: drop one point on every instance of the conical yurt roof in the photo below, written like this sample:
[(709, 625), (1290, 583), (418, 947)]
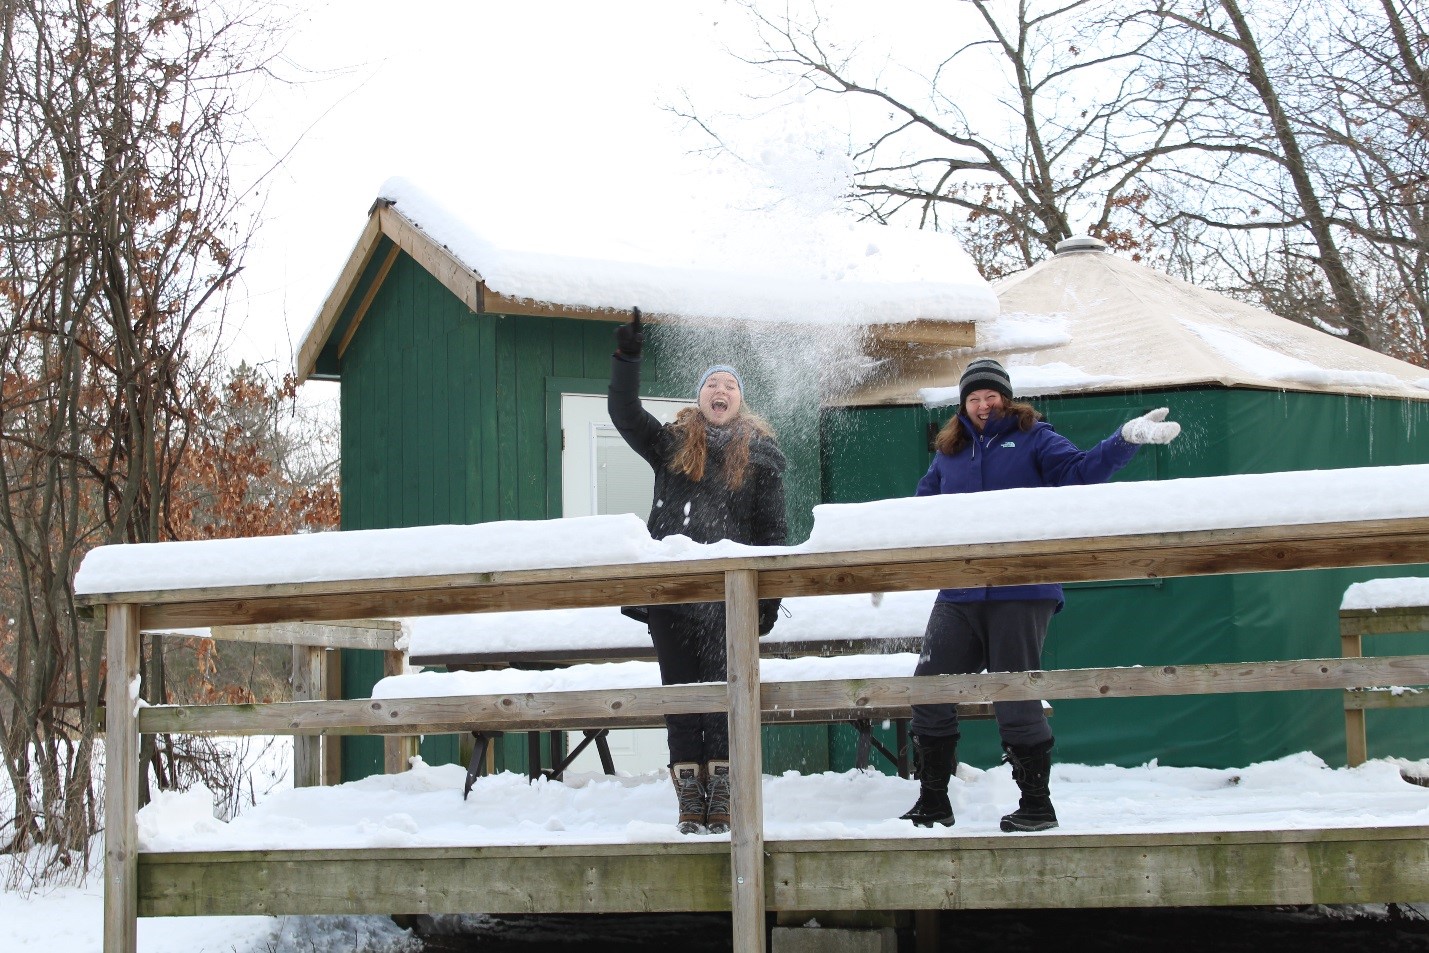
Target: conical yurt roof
[(1090, 321)]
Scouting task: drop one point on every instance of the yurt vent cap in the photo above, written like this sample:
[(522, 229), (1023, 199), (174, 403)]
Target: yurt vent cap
[(1080, 243)]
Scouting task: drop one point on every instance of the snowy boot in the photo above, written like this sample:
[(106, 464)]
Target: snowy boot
[(1031, 769), (690, 796), (718, 793), (936, 760)]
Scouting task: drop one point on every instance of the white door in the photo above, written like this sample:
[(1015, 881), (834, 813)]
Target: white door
[(600, 474)]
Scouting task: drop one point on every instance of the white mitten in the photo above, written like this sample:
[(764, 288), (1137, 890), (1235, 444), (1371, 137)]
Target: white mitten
[(1152, 427)]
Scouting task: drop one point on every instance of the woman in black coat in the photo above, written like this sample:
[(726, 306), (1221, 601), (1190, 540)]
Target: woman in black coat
[(719, 474)]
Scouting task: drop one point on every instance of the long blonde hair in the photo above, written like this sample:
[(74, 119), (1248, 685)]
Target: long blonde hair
[(954, 436), (692, 433)]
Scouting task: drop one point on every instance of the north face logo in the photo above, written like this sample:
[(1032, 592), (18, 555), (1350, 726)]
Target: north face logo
[(1008, 443)]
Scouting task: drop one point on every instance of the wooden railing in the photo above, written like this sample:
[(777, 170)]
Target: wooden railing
[(1355, 624), (739, 582)]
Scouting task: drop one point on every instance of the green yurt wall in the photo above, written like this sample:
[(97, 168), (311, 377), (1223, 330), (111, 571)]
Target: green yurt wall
[(880, 452)]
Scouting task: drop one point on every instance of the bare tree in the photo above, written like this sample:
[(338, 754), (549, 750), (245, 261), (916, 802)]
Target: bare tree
[(1277, 155), (1057, 149), (116, 246), (1373, 92), (1268, 147)]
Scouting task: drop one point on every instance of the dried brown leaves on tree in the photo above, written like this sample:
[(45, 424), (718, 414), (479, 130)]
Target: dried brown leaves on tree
[(120, 422)]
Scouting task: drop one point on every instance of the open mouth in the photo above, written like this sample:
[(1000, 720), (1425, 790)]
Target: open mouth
[(719, 404)]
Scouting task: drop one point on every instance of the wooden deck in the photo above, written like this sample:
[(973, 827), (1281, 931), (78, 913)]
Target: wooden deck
[(749, 876), (1241, 868)]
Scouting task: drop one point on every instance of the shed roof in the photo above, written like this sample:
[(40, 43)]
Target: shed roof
[(1089, 321), (748, 265)]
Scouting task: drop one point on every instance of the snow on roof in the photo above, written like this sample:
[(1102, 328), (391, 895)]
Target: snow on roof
[(1086, 320), (680, 260), (1299, 497)]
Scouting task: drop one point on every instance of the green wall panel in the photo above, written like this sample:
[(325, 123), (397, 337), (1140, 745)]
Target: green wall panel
[(1234, 618)]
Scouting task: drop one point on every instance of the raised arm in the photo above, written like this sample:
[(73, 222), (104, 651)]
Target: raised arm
[(636, 425)]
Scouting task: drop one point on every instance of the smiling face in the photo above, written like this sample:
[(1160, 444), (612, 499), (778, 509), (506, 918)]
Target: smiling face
[(982, 405), (720, 398)]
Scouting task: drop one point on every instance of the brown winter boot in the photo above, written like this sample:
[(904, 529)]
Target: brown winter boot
[(717, 807), (690, 796)]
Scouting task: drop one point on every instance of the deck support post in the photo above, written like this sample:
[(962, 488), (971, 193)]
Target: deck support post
[(309, 684), (121, 780), (746, 840)]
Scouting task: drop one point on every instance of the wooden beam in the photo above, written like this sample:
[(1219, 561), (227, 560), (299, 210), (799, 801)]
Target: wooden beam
[(1296, 867), (379, 634), (361, 310), (497, 303), (1396, 620), (121, 780), (236, 722), (811, 701), (1229, 868), (1364, 699), (533, 711), (568, 655), (437, 259), (485, 595), (336, 301), (851, 695), (1133, 556), (746, 762), (925, 332)]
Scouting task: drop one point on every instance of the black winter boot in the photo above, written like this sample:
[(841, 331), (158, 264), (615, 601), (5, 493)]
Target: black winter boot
[(1031, 769), (937, 759), (718, 793), (690, 796)]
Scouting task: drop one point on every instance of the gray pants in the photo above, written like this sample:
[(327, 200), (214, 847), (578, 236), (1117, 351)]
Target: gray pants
[(964, 638)]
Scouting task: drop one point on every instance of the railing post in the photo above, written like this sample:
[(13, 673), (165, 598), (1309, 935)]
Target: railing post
[(309, 684), (121, 780), (741, 595), (1356, 742), (397, 750)]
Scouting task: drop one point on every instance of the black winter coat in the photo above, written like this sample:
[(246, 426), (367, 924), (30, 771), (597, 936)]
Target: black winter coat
[(706, 510)]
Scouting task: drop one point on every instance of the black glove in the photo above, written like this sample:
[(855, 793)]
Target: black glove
[(630, 338), (768, 614)]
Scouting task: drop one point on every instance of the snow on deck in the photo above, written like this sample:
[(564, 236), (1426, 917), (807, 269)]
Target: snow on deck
[(424, 806), (1402, 592)]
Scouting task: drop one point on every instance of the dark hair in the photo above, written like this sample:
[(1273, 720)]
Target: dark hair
[(954, 436)]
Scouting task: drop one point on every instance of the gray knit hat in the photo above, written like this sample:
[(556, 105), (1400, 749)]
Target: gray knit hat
[(984, 374), (716, 369)]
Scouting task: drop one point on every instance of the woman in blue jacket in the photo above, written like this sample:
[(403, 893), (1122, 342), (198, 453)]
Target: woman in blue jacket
[(997, 443)]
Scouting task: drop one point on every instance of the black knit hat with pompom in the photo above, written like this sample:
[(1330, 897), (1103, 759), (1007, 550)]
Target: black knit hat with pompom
[(984, 374)]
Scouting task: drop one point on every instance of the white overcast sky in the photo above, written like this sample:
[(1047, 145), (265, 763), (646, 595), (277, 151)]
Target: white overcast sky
[(554, 106), (553, 103)]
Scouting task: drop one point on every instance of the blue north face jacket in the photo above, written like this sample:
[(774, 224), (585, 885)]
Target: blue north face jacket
[(1004, 458)]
